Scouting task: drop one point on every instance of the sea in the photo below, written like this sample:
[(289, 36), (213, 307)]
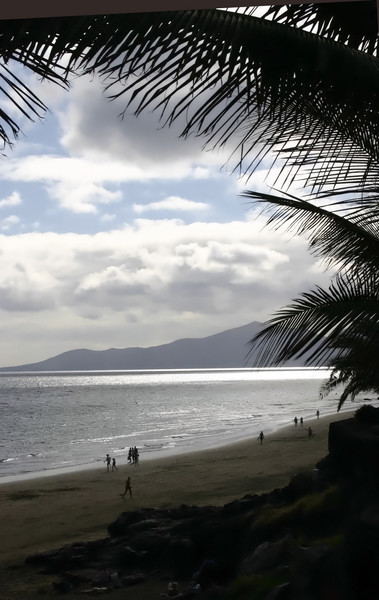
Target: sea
[(56, 422)]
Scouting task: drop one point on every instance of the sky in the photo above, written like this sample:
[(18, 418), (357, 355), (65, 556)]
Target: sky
[(117, 233)]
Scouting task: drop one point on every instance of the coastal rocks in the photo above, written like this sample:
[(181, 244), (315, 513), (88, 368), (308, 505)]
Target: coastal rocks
[(267, 556), (68, 557), (281, 592), (148, 517), (362, 540), (317, 573), (212, 547), (354, 445), (176, 541)]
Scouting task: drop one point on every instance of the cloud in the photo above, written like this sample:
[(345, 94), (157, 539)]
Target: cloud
[(91, 127), (8, 222), (84, 198), (171, 203), (14, 199), (143, 284), (101, 154), (107, 217), (80, 185)]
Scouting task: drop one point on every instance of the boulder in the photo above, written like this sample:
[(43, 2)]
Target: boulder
[(267, 556), (354, 448)]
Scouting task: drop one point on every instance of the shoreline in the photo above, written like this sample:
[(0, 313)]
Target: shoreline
[(48, 512), (161, 454)]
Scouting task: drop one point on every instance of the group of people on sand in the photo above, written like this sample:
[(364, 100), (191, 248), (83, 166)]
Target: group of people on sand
[(309, 429), (301, 420), (133, 455), (133, 458), (111, 463), (296, 421)]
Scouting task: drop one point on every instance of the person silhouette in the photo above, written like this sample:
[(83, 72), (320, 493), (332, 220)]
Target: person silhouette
[(261, 437), (108, 461), (128, 488)]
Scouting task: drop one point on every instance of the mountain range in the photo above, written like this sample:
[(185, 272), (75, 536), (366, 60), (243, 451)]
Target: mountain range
[(227, 349)]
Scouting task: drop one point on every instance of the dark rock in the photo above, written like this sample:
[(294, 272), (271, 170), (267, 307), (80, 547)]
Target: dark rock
[(246, 503), (316, 573), (123, 522), (354, 448), (267, 556), (362, 541), (143, 525), (133, 579), (299, 485), (182, 557), (281, 592), (151, 542), (129, 557), (186, 512)]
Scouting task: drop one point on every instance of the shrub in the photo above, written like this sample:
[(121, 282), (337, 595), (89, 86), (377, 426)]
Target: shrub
[(248, 587), (316, 512)]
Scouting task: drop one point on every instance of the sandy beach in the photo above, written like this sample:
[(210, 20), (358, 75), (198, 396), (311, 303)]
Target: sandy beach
[(45, 513)]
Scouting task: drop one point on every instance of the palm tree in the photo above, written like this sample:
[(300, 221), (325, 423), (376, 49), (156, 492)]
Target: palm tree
[(243, 66), (338, 326), (299, 85)]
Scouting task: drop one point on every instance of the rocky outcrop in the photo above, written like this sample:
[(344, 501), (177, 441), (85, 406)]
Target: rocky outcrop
[(202, 547), (353, 446)]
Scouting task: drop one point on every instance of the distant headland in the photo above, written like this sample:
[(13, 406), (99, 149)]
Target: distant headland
[(228, 349)]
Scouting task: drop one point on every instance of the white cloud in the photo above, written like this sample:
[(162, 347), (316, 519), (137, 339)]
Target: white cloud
[(8, 222), (171, 203), (107, 217), (143, 284), (14, 199), (84, 198), (80, 184)]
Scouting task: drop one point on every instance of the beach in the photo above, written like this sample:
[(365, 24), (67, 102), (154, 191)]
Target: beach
[(45, 513)]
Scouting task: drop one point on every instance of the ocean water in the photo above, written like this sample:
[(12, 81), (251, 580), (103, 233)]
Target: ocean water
[(53, 421)]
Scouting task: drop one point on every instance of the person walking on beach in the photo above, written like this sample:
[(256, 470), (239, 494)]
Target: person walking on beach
[(128, 488), (114, 468), (301, 421), (135, 455), (318, 414), (261, 437), (310, 432), (108, 461), (295, 421)]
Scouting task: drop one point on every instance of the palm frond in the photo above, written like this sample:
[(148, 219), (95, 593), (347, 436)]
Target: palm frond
[(355, 24), (357, 369), (314, 325), (253, 81), (218, 69), (346, 241)]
